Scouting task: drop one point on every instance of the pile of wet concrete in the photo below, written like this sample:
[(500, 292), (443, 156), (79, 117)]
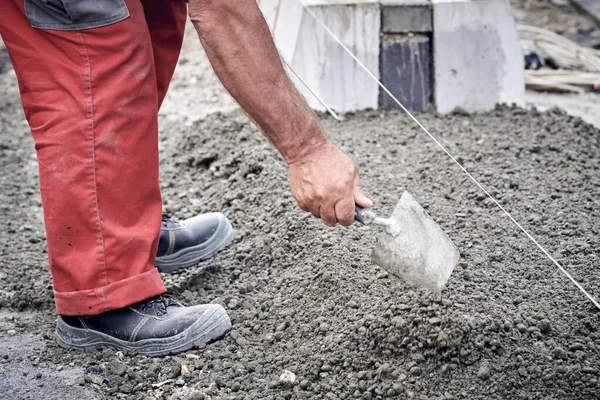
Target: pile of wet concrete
[(307, 299)]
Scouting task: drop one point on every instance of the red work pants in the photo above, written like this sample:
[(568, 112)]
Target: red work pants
[(91, 98)]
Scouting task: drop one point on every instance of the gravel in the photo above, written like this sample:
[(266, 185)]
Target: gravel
[(307, 299)]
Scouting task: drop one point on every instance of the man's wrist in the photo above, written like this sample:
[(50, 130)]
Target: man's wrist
[(304, 145)]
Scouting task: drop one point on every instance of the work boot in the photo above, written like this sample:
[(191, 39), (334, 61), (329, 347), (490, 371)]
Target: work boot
[(154, 327), (186, 243)]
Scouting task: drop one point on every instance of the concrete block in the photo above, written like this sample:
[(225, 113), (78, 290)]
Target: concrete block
[(478, 59), (406, 70), (404, 16), (462, 53), (322, 62)]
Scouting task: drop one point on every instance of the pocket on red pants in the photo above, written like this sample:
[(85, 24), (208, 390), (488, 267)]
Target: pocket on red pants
[(70, 15)]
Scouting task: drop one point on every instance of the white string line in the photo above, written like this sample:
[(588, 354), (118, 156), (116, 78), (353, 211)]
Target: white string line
[(329, 109), (589, 296)]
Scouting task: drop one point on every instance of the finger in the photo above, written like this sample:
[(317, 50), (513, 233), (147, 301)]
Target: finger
[(328, 215), (315, 211), (302, 206), (344, 211), (359, 195)]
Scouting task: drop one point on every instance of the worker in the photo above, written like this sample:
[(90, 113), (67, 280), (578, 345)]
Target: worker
[(92, 75)]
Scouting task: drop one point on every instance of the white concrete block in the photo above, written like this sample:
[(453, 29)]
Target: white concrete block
[(284, 18), (322, 62), (328, 69), (478, 61)]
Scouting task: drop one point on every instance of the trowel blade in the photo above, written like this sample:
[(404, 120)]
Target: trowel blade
[(415, 248)]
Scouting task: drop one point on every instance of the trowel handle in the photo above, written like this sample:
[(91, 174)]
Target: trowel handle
[(358, 214)]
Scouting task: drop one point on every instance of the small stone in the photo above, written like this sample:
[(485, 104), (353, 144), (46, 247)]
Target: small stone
[(576, 347), (185, 370), (484, 372), (117, 368), (196, 395), (172, 372), (545, 326), (287, 378), (11, 332), (434, 321), (360, 375), (383, 371), (232, 304), (281, 327), (560, 353), (90, 378), (304, 384)]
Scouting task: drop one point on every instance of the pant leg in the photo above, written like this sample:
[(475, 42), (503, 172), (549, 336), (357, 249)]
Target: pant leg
[(166, 24), (90, 98)]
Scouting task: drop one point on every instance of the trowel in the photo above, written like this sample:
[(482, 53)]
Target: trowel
[(411, 245)]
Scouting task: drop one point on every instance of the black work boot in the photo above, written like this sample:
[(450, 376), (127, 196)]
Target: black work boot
[(154, 327), (186, 243)]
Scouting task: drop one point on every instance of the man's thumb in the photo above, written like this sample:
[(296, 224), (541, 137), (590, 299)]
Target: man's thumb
[(359, 195)]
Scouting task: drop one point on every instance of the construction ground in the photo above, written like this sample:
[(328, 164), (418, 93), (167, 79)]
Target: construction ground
[(307, 298)]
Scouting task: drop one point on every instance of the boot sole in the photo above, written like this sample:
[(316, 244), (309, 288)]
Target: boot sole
[(212, 325), (193, 255)]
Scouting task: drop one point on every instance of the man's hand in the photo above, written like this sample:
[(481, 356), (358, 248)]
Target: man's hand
[(326, 184)]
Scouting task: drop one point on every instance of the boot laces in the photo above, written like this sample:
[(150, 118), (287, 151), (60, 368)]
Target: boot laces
[(166, 219), (164, 300)]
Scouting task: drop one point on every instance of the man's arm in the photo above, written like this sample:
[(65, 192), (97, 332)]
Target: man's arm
[(240, 48)]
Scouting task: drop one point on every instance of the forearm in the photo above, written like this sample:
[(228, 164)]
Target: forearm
[(240, 48)]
